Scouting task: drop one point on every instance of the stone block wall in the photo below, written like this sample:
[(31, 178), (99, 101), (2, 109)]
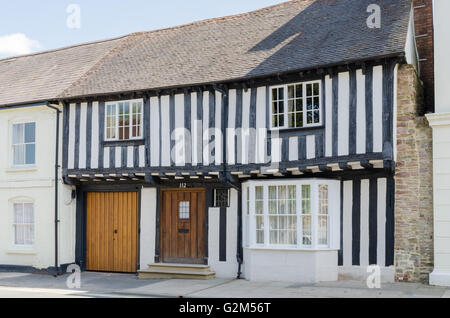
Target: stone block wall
[(414, 182)]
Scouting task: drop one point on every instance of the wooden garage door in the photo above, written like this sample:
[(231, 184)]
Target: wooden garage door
[(183, 226), (112, 232)]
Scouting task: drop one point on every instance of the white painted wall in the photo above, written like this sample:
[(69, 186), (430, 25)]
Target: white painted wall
[(148, 227), (441, 55), (228, 269), (440, 121), (35, 184), (294, 266)]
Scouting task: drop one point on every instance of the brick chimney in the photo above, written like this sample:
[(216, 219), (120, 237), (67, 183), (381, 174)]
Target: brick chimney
[(423, 14)]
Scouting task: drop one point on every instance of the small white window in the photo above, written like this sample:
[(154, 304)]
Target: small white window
[(23, 224), (23, 144), (296, 105), (184, 210), (302, 214), (124, 120)]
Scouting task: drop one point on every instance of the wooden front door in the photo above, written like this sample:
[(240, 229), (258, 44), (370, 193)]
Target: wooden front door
[(112, 232), (183, 226)]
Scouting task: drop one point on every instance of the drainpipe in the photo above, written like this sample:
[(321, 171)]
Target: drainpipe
[(58, 112)]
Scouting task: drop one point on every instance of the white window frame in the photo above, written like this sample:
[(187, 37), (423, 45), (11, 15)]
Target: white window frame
[(334, 221), (14, 244), (18, 166), (286, 106), (116, 105)]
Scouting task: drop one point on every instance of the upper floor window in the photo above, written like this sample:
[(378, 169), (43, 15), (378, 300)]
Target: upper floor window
[(23, 224), (296, 105), (23, 144), (303, 214), (124, 120)]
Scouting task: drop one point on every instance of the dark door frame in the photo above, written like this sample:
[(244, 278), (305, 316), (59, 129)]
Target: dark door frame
[(208, 203)]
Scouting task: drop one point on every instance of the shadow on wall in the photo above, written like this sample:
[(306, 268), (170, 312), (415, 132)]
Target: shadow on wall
[(322, 35)]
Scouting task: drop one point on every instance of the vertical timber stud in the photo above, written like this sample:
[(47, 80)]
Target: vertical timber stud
[(223, 235), (158, 227)]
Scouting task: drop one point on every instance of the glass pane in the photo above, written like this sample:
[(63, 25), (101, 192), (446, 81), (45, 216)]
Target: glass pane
[(18, 136), (30, 154), (299, 91), (259, 237), (281, 121), (291, 91), (30, 130), (259, 207), (275, 121), (299, 120), (309, 103), (316, 103), (18, 213), (275, 94), (19, 155), (323, 199), (291, 106), (28, 214), (323, 230), (299, 105), (282, 195), (307, 238), (184, 210), (316, 89), (260, 222), (248, 201), (274, 237), (292, 123), (306, 199), (281, 93), (309, 118), (18, 235), (273, 222), (316, 117), (281, 107), (272, 207), (259, 193), (272, 193), (309, 90)]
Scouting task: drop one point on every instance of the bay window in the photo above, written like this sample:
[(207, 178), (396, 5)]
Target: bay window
[(124, 120), (298, 214)]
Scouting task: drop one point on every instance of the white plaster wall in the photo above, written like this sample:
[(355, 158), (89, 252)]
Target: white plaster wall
[(441, 162), (440, 122), (148, 227), (442, 53), (35, 184), (263, 265), (229, 268)]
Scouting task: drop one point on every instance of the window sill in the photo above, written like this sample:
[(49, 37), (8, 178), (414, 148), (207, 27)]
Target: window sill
[(22, 251), (21, 169), (281, 130), (291, 249), (124, 143)]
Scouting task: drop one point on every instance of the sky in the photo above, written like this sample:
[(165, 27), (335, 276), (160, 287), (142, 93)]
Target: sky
[(31, 26)]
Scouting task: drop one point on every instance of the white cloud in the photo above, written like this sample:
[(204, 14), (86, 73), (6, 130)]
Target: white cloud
[(17, 44)]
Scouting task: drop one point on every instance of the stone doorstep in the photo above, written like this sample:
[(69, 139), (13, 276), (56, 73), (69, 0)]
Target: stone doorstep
[(177, 271)]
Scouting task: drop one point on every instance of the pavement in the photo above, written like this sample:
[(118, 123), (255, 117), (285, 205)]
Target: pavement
[(102, 285)]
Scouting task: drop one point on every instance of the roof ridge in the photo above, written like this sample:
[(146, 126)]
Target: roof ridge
[(12, 58)]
